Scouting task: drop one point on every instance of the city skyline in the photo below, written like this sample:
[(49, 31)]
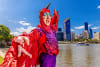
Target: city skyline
[(23, 15), (70, 36)]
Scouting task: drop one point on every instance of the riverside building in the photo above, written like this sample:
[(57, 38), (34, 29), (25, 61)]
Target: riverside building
[(85, 34), (96, 35), (67, 31)]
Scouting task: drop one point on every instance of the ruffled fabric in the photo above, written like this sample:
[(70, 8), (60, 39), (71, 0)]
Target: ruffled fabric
[(51, 44), (36, 47), (11, 58)]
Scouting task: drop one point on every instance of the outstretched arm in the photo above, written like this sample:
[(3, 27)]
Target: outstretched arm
[(22, 40), (22, 50), (54, 20), (33, 36)]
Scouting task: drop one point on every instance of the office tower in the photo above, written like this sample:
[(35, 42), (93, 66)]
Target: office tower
[(91, 34), (60, 35), (59, 29), (67, 31), (96, 35), (86, 26), (80, 36), (72, 36), (76, 36), (85, 34)]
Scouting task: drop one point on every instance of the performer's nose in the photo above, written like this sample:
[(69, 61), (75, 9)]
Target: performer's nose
[(47, 16)]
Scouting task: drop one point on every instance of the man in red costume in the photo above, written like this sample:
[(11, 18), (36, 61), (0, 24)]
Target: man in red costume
[(43, 44)]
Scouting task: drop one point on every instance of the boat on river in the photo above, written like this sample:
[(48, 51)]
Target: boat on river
[(82, 43)]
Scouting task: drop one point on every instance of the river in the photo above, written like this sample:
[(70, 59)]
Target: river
[(73, 55)]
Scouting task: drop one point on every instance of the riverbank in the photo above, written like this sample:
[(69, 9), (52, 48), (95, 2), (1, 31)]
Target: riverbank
[(64, 42), (71, 42)]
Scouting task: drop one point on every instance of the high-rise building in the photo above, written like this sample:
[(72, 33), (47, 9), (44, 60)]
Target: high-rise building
[(86, 26), (60, 35), (96, 35), (72, 36), (67, 31), (76, 36), (85, 34), (91, 34), (59, 29), (80, 36)]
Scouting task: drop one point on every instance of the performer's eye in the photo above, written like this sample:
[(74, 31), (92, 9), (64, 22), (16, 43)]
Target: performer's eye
[(46, 14)]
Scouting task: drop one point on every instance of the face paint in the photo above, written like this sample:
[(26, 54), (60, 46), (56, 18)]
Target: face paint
[(46, 14), (46, 19)]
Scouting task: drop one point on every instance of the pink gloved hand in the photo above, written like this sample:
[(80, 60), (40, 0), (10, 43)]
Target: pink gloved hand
[(22, 40)]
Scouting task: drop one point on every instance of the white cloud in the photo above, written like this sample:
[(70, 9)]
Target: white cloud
[(98, 6), (96, 28), (21, 29), (72, 30), (15, 33), (82, 27), (24, 23), (24, 18), (89, 25), (28, 29)]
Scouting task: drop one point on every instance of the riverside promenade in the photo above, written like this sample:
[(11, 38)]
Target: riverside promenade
[(3, 51)]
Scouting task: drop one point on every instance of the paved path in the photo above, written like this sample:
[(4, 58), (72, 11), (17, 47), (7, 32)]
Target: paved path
[(3, 51)]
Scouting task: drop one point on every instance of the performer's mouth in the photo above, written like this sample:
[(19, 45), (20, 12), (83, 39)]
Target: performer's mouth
[(47, 21)]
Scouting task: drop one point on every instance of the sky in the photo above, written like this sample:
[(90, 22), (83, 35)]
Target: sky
[(23, 15)]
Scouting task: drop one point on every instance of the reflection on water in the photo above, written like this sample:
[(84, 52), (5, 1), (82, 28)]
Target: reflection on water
[(72, 55)]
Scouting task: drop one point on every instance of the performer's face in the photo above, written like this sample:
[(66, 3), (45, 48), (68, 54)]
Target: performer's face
[(47, 18)]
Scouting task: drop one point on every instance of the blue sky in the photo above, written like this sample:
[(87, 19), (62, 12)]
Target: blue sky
[(22, 15)]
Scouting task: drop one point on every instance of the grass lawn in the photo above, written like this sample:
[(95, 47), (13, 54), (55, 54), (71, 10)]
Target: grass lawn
[(1, 59)]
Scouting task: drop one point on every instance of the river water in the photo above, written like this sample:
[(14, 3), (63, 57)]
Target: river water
[(73, 55)]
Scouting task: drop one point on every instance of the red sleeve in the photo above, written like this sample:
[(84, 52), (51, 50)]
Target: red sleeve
[(54, 21), (34, 35), (35, 39)]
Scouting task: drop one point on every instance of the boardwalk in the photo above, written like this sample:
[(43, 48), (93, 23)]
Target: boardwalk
[(3, 51)]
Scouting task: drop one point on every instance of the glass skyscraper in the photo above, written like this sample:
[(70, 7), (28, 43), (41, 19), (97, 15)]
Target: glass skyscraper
[(91, 34), (86, 26), (67, 31), (59, 29), (60, 35)]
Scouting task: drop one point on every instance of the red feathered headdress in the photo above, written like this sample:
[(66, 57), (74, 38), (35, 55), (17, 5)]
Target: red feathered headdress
[(42, 25)]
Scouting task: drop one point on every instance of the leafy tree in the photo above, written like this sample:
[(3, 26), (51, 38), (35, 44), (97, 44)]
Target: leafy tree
[(9, 37), (4, 32), (5, 36)]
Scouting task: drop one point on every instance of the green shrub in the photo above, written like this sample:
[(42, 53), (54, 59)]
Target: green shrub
[(1, 59)]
